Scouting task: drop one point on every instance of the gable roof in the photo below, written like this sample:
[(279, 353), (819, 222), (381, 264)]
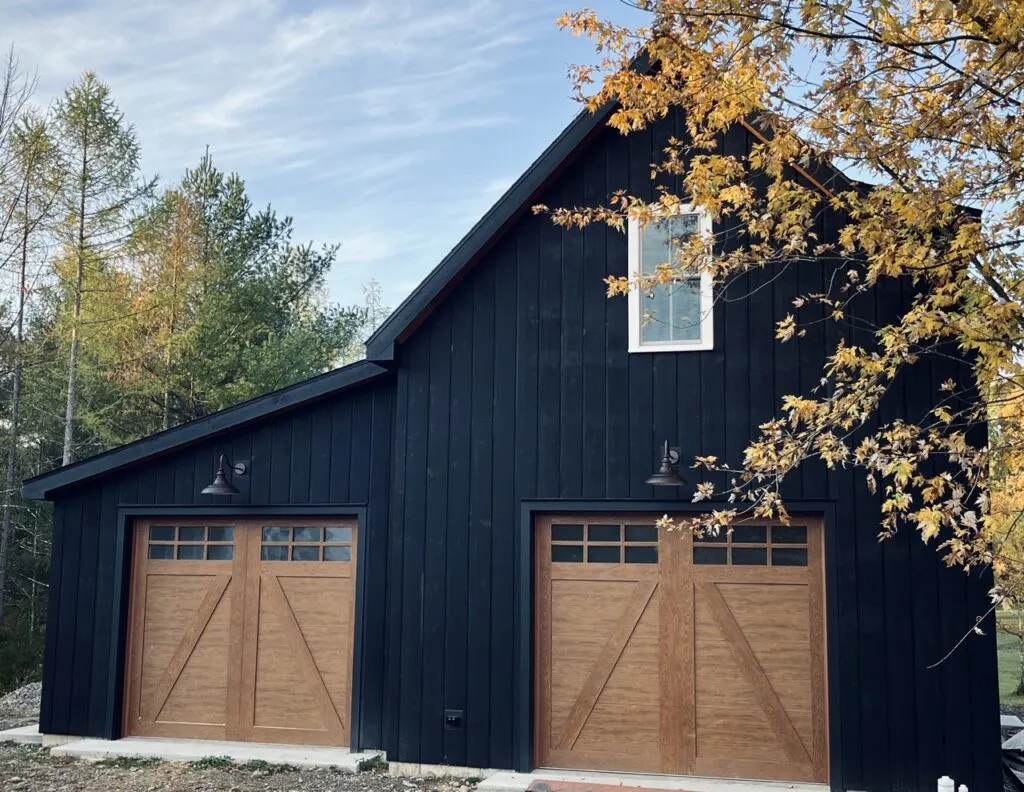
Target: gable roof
[(203, 428), (510, 207), (516, 201)]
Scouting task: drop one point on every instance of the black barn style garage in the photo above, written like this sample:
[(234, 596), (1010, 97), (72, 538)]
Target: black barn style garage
[(448, 551)]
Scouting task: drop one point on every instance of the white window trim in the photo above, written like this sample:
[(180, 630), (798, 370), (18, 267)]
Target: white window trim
[(707, 325)]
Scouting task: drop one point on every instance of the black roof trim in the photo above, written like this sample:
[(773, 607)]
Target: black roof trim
[(514, 202), (41, 487)]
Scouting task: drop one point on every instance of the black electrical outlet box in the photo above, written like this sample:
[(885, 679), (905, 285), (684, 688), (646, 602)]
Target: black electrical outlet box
[(453, 719)]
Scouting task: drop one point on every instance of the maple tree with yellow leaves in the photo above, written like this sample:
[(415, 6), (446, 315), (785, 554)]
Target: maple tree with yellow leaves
[(924, 103)]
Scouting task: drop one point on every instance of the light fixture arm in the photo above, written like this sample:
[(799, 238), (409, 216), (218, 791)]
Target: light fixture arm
[(238, 468)]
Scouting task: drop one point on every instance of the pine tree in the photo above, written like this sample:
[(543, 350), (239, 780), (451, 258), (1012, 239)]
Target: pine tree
[(100, 154)]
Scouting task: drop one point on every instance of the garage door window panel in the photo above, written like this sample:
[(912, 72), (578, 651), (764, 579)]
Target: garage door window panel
[(604, 543), (190, 543), (753, 545), (307, 543)]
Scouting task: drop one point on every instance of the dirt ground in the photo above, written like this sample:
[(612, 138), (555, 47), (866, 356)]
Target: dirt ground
[(32, 769)]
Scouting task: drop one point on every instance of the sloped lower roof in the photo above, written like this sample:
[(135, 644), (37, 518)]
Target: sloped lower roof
[(204, 428)]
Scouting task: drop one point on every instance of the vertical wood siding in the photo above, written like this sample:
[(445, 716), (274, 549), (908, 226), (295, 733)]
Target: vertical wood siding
[(336, 451), (519, 387)]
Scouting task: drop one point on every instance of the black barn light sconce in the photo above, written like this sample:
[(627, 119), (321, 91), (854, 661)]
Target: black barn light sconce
[(220, 484), (667, 474)]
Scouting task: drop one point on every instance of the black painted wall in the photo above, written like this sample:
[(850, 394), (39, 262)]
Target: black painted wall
[(336, 451), (519, 387)]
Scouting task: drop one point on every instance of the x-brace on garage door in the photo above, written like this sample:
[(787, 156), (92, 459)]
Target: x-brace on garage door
[(657, 652)]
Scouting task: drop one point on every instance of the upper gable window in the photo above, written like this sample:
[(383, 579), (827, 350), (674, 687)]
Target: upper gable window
[(676, 316)]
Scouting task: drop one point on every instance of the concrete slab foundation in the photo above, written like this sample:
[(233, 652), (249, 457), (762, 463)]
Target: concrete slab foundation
[(190, 750), (23, 735), (571, 781), (54, 740), (413, 770)]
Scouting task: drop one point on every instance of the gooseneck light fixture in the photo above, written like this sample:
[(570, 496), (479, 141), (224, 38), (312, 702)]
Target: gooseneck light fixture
[(667, 474), (220, 484)]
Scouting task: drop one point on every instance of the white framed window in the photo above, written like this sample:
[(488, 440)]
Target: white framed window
[(676, 316)]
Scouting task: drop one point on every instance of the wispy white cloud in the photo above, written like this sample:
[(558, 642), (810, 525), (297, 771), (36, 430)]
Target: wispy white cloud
[(387, 126)]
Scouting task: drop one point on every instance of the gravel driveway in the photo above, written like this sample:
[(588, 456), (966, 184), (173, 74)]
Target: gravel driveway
[(31, 769), (20, 707)]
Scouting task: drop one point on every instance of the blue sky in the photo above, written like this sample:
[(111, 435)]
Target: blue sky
[(388, 126)]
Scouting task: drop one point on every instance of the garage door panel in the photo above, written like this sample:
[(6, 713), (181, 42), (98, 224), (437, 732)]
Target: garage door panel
[(320, 628), (585, 624), (181, 673), (290, 689), (627, 710), (745, 673), (171, 606), (199, 694), (719, 672), (282, 695)]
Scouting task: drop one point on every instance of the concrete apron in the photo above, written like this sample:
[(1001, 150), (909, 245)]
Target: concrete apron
[(24, 735), (168, 750), (578, 781)]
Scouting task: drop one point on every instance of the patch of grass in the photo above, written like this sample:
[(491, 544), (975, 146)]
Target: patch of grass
[(128, 762), (269, 768), (29, 753), (1008, 658), (373, 763), (205, 762), (473, 780)]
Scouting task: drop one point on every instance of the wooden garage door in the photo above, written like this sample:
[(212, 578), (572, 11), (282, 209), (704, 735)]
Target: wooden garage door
[(241, 630), (659, 653)]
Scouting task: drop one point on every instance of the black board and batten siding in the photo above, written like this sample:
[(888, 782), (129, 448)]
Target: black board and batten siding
[(334, 451), (518, 388)]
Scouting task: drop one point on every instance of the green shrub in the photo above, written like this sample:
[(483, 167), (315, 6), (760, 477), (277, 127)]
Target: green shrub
[(128, 762), (270, 768), (211, 761)]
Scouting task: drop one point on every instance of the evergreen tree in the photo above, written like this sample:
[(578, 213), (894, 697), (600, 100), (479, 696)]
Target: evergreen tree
[(100, 157)]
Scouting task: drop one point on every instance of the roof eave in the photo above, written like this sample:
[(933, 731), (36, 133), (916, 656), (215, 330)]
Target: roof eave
[(43, 486)]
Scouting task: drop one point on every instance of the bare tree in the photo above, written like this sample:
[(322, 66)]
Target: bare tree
[(17, 167)]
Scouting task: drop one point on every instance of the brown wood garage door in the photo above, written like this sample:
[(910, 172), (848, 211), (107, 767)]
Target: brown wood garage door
[(660, 653), (241, 630)]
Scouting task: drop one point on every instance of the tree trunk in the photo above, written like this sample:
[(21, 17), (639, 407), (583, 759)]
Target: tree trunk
[(32, 597), (168, 352), (72, 398), (6, 522)]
